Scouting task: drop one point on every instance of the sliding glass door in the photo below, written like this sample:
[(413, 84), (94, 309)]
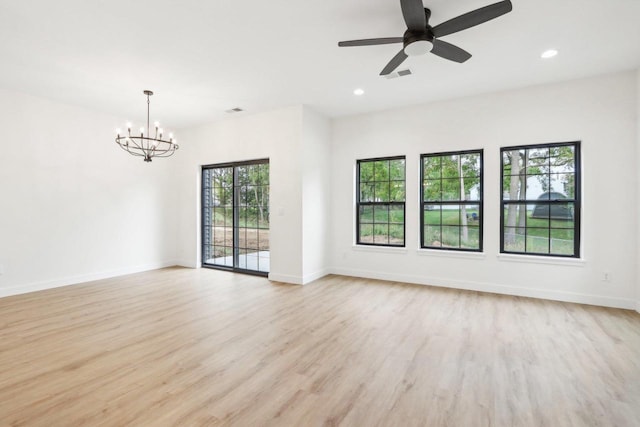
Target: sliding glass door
[(235, 216)]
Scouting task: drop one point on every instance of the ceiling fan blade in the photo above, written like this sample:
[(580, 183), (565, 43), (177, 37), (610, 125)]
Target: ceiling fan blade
[(394, 63), (414, 15), (473, 18), (448, 51), (371, 42)]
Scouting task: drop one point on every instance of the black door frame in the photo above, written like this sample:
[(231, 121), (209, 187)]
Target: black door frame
[(236, 216)]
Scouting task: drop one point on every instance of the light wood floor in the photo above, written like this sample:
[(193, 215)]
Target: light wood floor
[(202, 347)]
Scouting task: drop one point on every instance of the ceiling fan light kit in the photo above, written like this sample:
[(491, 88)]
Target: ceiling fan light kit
[(421, 38)]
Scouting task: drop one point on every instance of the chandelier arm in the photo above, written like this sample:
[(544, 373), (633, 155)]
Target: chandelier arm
[(167, 154), (130, 152), (139, 147)]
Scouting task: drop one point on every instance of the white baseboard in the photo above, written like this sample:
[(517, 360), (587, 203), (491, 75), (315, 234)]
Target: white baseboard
[(625, 303), (83, 278), (187, 263), (285, 278), (315, 276), (638, 306)]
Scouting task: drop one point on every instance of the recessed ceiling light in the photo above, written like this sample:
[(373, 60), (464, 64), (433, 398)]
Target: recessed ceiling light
[(358, 92), (549, 54)]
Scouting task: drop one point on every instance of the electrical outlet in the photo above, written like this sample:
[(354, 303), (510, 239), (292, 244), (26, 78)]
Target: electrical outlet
[(606, 276)]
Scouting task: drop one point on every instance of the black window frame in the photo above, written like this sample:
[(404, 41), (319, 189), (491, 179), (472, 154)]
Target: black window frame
[(479, 202), (577, 200), (359, 203)]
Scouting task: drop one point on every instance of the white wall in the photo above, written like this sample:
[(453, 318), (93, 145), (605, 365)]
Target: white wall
[(638, 183), (275, 135), (73, 205), (600, 112), (316, 182)]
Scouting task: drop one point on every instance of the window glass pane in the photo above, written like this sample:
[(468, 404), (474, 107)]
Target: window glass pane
[(432, 215), (473, 215), (537, 240), (396, 214), (432, 236), (381, 192), (218, 216), (263, 240), (513, 240), (537, 188), (515, 215), (470, 165), (451, 215), (431, 168), (242, 216), (538, 214), (366, 171), (228, 236), (218, 236), (397, 169), (381, 170), (242, 175), (513, 162), (366, 233), (451, 189), (366, 214), (228, 216), (381, 214), (397, 191), (431, 190), (562, 215), (472, 188), (472, 240), (396, 234), (562, 159), (563, 185), (562, 242), (381, 233), (537, 161), (450, 236), (366, 192), (242, 238), (450, 166)]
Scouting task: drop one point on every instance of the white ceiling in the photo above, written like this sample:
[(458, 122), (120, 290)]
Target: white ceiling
[(204, 57)]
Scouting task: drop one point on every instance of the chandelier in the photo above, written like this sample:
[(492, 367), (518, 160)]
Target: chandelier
[(142, 144)]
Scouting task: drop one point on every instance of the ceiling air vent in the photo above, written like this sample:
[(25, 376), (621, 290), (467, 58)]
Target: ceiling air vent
[(397, 74), (235, 110)]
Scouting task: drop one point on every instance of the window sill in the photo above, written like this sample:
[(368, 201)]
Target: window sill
[(532, 259), (380, 249), (451, 254)]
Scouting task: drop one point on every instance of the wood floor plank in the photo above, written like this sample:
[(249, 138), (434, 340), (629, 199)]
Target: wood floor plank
[(182, 347)]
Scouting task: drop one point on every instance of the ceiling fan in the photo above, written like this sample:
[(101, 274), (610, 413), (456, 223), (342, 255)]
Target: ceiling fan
[(421, 37)]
